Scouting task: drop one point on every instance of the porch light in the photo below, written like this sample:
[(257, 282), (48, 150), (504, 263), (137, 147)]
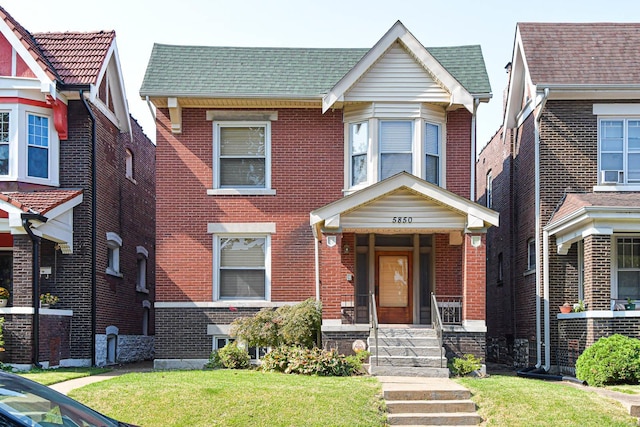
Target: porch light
[(331, 241), (475, 241)]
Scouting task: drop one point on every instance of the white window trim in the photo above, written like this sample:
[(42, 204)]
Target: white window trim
[(129, 165), (531, 268), (614, 265), (241, 344), (114, 242), (489, 190), (245, 230), (217, 190)]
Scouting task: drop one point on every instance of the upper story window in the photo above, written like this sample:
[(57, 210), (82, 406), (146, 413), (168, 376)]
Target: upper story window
[(128, 164), (242, 155), (358, 147), (627, 267), (489, 190), (38, 146), (114, 243), (4, 143), (619, 151), (531, 254), (396, 148)]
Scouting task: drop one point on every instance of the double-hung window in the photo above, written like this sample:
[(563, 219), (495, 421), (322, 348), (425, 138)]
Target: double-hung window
[(4, 143), (628, 267), (619, 151), (242, 155), (358, 147), (242, 267), (396, 147), (432, 151), (38, 146), (531, 254)]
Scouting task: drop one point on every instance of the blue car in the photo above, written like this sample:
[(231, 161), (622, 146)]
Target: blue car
[(26, 403)]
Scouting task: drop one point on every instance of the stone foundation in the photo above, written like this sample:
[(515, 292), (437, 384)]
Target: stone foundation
[(129, 348)]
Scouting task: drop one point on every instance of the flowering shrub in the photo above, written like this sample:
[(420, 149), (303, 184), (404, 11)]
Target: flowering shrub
[(305, 361), (48, 299)]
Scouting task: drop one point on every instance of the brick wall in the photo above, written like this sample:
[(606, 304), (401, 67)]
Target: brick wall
[(336, 265), (449, 269), (459, 152), (458, 344)]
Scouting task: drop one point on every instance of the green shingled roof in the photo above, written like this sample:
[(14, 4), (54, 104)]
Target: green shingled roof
[(209, 71)]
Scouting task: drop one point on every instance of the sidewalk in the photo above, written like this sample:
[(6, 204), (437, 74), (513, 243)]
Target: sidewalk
[(66, 386)]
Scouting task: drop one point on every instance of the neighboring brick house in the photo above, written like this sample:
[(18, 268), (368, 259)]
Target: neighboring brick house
[(565, 172), (294, 173), (77, 203)]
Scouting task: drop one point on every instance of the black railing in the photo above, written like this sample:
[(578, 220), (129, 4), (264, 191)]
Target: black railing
[(450, 307), (374, 323)]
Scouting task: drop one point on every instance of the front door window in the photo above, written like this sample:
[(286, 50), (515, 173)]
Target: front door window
[(394, 287)]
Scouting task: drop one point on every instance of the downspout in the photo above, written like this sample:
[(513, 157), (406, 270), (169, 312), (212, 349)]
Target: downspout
[(153, 113), (472, 196), (317, 266), (94, 206), (538, 116), (35, 281)]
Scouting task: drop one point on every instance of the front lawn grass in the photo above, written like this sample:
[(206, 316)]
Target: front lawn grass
[(514, 401), (236, 398), (52, 376)]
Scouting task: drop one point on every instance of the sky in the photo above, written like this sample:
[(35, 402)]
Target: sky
[(298, 23)]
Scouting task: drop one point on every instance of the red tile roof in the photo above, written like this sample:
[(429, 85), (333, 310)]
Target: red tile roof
[(573, 202), (591, 53), (77, 57), (69, 57), (39, 202)]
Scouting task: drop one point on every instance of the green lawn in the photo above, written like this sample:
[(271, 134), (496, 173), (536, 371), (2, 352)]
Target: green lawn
[(52, 376), (236, 398), (513, 401)]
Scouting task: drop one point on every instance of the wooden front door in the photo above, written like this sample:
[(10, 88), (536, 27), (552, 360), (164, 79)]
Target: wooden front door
[(394, 290)]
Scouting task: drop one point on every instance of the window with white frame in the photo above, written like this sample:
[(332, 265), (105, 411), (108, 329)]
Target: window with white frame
[(358, 147), (37, 146), (4, 143), (128, 164), (619, 151), (141, 264), (241, 151), (489, 190), (531, 254), (255, 353), (242, 267), (396, 147), (432, 150), (627, 267), (114, 243)]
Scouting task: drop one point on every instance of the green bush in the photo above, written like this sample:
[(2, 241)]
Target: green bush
[(358, 360), (461, 366), (305, 361), (610, 360), (230, 357), (288, 325)]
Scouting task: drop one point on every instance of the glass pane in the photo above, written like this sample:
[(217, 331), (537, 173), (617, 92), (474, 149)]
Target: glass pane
[(242, 173), (629, 284), (399, 240), (359, 138), (396, 137), (394, 280), (242, 252), (4, 159), (432, 139), (611, 161), (633, 164), (38, 131), (433, 170), (4, 127), (38, 164), (391, 164), (242, 141), (242, 284), (359, 169), (611, 135)]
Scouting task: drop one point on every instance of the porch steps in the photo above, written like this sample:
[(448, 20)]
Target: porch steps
[(415, 401), (407, 351)]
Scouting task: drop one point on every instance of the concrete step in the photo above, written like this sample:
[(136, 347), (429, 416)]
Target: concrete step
[(429, 406), (408, 371), (418, 361), (421, 393), (403, 341), (434, 419), (407, 332), (407, 351)]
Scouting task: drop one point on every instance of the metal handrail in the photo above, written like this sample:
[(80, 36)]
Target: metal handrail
[(436, 321), (374, 323)]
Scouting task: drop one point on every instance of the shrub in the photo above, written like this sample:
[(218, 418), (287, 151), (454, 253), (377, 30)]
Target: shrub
[(357, 361), (305, 361), (461, 366), (610, 360), (288, 325), (230, 357)]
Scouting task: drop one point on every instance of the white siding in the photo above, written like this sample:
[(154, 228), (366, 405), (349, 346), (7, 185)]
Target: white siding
[(397, 76), (423, 213)]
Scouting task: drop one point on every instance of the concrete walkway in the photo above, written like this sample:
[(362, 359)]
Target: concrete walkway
[(66, 386)]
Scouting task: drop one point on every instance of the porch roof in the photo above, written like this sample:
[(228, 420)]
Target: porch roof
[(402, 203), (584, 214)]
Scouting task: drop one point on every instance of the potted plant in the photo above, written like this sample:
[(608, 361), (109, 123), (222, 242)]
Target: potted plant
[(47, 300), (629, 305), (4, 297), (565, 308), (579, 306)]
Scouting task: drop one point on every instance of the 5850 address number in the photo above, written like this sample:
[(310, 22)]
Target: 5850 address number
[(402, 220)]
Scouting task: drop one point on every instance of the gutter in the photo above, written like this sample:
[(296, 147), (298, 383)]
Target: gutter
[(27, 217), (94, 205), (545, 295)]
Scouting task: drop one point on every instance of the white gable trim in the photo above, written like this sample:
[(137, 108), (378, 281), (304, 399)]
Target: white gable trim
[(477, 216), (398, 31)]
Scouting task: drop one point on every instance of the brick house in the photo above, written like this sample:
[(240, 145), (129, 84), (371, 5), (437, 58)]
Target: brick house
[(564, 173), (294, 173), (77, 208)]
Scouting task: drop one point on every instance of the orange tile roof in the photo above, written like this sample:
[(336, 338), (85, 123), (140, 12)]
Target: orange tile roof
[(39, 202), (573, 202), (68, 57), (581, 53)]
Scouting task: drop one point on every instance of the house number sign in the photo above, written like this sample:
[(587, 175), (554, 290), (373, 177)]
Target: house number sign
[(402, 220)]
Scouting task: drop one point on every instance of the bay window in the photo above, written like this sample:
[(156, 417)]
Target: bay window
[(619, 151), (37, 146), (396, 148), (358, 144), (432, 150), (4, 143)]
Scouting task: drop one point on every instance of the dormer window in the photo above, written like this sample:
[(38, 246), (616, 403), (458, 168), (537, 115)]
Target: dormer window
[(38, 146)]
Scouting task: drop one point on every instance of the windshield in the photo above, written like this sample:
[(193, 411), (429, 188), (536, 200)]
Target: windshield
[(36, 405)]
